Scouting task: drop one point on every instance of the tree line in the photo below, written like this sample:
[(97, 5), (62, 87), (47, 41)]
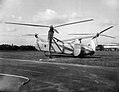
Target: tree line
[(7, 47)]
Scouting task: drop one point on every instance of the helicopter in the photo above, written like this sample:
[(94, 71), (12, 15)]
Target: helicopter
[(72, 47)]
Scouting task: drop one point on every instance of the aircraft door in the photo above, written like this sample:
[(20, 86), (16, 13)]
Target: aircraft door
[(77, 48)]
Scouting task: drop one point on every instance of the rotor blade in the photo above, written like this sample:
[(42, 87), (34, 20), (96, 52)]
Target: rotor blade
[(81, 34), (73, 23), (34, 34), (56, 31), (106, 29), (26, 24), (28, 35), (115, 43), (9, 35), (71, 39), (108, 36)]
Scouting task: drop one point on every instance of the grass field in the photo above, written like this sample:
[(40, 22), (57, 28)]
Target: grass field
[(100, 58), (98, 74)]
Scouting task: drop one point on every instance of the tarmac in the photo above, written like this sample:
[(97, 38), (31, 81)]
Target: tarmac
[(59, 77)]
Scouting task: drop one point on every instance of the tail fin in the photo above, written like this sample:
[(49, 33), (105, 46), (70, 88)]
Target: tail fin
[(39, 39), (94, 43)]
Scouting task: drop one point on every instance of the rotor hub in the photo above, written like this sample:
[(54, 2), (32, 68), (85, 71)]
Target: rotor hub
[(51, 27)]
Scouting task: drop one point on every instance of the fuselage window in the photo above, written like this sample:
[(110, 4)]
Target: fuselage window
[(44, 45)]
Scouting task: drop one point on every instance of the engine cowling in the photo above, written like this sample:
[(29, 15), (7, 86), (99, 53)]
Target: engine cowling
[(77, 48)]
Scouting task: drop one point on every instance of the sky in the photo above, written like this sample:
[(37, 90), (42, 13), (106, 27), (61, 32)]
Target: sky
[(54, 12)]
